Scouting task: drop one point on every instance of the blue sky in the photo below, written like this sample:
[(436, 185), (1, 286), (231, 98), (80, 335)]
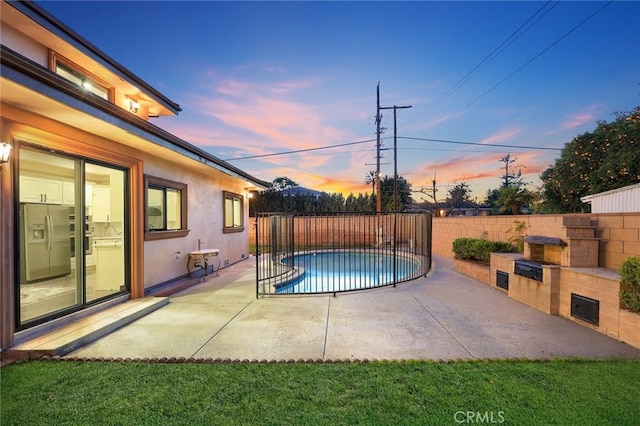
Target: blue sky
[(257, 78)]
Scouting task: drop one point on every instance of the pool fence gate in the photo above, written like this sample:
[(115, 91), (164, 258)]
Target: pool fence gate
[(311, 253)]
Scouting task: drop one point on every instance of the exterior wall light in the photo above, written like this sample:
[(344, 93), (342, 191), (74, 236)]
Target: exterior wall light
[(5, 150), (134, 106)]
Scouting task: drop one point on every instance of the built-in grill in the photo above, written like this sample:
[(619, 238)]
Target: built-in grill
[(529, 269), (550, 241), (534, 278), (539, 251)]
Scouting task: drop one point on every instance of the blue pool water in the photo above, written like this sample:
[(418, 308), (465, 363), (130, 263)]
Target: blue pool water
[(345, 271)]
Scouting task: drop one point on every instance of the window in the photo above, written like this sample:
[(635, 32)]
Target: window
[(68, 70), (165, 209), (233, 212)]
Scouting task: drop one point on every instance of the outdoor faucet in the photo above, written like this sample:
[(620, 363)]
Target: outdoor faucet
[(200, 242)]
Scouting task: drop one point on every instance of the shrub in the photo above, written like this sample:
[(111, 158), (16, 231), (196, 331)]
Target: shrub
[(630, 280), (478, 249)]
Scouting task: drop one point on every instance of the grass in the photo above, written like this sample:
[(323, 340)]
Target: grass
[(565, 392)]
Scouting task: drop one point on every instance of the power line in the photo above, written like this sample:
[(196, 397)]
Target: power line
[(496, 52), (538, 55), (480, 144), (400, 148), (300, 150), (495, 145)]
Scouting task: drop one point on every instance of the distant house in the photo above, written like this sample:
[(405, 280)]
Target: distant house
[(97, 204), (445, 209), (300, 190), (620, 200)]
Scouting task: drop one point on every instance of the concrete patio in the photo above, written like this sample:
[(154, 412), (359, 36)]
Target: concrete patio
[(441, 317)]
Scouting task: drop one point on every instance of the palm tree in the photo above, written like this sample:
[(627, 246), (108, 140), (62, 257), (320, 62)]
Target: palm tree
[(370, 179), (513, 199)]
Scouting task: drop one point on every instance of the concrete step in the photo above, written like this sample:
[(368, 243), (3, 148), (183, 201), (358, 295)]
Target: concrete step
[(79, 333)]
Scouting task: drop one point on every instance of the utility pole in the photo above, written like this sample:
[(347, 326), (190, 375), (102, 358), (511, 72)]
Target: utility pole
[(379, 155), (395, 153), (378, 119)]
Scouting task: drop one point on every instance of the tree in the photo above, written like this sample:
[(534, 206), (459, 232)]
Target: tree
[(386, 193), (491, 200), (370, 179), (512, 199), (282, 183), (511, 178), (598, 161), (459, 194)]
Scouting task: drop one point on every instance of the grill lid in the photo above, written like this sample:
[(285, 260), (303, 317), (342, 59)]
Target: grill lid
[(550, 241)]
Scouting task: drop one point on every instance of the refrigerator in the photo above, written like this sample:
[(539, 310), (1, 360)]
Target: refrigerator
[(45, 242)]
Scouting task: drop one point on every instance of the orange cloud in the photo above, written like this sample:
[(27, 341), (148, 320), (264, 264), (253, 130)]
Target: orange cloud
[(264, 112), (478, 167)]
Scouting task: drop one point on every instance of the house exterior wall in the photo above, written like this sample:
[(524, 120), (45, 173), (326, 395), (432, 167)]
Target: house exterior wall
[(206, 221), (151, 262), (16, 41), (204, 197), (619, 233), (42, 109)]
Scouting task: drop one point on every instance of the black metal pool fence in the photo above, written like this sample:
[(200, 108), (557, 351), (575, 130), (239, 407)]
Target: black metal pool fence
[(311, 253)]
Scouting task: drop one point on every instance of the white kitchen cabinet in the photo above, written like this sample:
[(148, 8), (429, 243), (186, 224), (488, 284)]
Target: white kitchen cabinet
[(107, 201), (39, 190), (68, 193), (101, 203), (88, 195), (117, 196)]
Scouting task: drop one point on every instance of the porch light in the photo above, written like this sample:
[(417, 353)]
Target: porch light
[(134, 106), (248, 193), (5, 150)]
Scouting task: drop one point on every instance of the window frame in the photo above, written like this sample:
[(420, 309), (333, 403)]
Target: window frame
[(157, 182), (231, 229), (55, 59)]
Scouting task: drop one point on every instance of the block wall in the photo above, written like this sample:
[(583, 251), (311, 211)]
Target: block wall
[(598, 286), (619, 234)]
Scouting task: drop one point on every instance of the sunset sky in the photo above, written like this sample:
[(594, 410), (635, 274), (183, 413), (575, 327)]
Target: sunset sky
[(257, 78)]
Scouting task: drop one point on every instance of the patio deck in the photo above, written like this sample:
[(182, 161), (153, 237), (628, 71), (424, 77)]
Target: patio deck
[(445, 316)]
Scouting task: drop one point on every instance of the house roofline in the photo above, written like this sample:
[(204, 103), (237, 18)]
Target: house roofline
[(52, 24), (589, 198), (27, 68)]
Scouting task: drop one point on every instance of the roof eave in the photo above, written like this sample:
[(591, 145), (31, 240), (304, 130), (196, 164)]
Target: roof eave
[(52, 24), (25, 70)]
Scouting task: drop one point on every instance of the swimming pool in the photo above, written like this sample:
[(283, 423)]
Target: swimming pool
[(335, 271)]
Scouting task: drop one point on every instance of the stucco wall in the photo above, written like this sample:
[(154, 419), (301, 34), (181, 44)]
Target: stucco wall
[(205, 220), (205, 196), (619, 234)]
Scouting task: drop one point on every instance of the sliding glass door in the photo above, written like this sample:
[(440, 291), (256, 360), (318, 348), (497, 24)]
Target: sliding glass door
[(72, 237)]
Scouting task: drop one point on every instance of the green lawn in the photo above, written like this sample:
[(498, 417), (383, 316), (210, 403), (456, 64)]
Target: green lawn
[(560, 392)]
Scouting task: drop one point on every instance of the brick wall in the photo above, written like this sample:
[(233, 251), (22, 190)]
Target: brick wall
[(598, 285), (619, 234)]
